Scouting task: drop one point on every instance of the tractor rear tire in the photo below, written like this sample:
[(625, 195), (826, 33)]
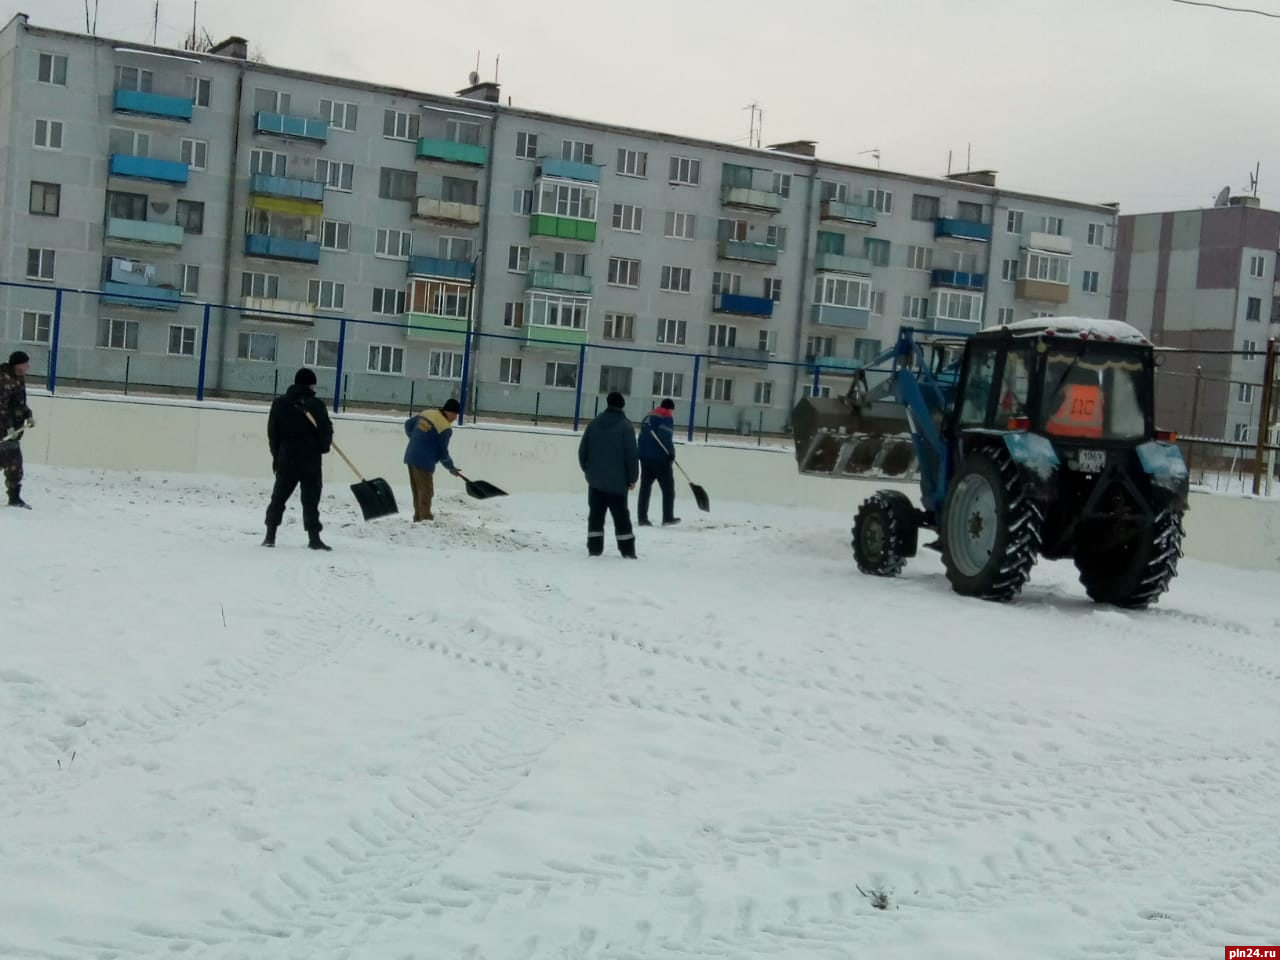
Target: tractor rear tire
[(885, 533), (1136, 574), (990, 528)]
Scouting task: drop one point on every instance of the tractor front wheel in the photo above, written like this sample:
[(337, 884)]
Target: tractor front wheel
[(884, 533), (1134, 574), (990, 528)]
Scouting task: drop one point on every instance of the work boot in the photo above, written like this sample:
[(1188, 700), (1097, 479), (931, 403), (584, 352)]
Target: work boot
[(672, 522), (15, 499), (315, 543), (270, 539)]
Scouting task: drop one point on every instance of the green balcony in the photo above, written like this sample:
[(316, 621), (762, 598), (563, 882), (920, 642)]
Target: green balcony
[(447, 151), (145, 231), (563, 282), (838, 212), (554, 337), (748, 251), (425, 326), (839, 263), (562, 228), (761, 201)]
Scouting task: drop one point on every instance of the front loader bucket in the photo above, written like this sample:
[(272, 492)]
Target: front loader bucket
[(833, 438)]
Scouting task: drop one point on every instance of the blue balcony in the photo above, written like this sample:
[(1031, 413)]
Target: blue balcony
[(742, 306), (138, 295), (962, 229), (289, 188), (463, 270), (958, 279), (146, 168), (569, 170), (281, 248), (297, 128), (153, 105), (850, 318)]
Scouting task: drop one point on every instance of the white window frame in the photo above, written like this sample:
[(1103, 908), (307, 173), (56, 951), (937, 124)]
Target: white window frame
[(1096, 235), (668, 383), (633, 163), (337, 231), (199, 90), (518, 258), (327, 294), (46, 261), (957, 305), (1089, 280), (837, 291), (880, 200), (186, 333), (342, 115), (619, 326), (522, 201), (404, 125), (1257, 266), (915, 308), (553, 370), (628, 217), (188, 279), (1046, 267), (50, 74), (577, 151), (624, 272), (33, 323), (1009, 271), (919, 258), (50, 127), (526, 145), (336, 175), (680, 225), (1245, 393), (676, 279), (684, 171), (438, 360), (673, 331), (252, 338), (263, 286), (717, 389), (1004, 315), (273, 163), (311, 354), (384, 296), (510, 370), (129, 331), (557, 310), (385, 355), (1053, 225), (762, 393), (392, 243), (566, 199), (194, 153), (1013, 221)]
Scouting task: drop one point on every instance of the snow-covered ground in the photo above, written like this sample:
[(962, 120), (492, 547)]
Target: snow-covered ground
[(470, 740)]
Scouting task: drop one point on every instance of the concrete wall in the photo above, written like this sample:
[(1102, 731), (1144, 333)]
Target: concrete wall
[(230, 440)]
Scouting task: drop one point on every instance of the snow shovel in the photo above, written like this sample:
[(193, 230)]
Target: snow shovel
[(699, 495), (482, 489), (374, 496)]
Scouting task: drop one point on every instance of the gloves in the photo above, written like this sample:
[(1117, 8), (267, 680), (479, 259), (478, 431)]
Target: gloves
[(31, 421), (456, 472)]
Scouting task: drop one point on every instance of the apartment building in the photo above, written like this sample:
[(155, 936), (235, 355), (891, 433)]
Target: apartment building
[(574, 251), (1203, 280)]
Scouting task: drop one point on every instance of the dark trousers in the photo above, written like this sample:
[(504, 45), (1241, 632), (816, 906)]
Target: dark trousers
[(288, 477), (659, 470), (615, 504), (11, 462)]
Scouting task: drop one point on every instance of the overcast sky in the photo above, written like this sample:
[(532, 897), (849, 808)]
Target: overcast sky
[(1151, 103)]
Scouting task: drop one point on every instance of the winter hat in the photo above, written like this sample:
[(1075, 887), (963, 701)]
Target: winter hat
[(304, 378), (18, 357), (615, 399), (451, 406), (667, 404)]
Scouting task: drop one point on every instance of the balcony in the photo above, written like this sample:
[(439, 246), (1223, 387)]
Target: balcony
[(569, 170), (426, 326), (840, 212), (145, 231), (562, 228), (958, 279), (850, 318), (446, 211), (1042, 291), (951, 228), (562, 282), (447, 151), (439, 267), (738, 356), (287, 188), (961, 327), (140, 295), (763, 201), (146, 168), (155, 105), (281, 248), (1048, 242), (742, 306), (295, 128), (839, 263), (749, 251), (836, 364), (537, 335), (273, 310)]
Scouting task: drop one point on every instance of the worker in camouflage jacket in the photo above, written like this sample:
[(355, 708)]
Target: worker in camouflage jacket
[(15, 418)]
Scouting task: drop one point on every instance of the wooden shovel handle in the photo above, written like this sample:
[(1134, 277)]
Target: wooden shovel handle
[(307, 414)]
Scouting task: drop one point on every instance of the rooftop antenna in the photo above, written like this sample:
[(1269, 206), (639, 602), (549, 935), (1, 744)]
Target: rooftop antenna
[(155, 22), (1223, 196), (875, 152), (474, 77), (495, 67), (753, 138), (1253, 178)]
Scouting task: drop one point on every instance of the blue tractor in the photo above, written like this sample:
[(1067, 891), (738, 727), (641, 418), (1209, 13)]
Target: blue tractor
[(1032, 439)]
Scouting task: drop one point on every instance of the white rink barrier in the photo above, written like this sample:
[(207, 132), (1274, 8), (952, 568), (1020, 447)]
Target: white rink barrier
[(229, 439)]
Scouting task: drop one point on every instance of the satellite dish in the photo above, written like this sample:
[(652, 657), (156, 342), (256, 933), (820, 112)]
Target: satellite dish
[(474, 77), (1223, 194)]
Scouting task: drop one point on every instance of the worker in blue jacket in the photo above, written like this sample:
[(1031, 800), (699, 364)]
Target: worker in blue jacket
[(428, 434), (657, 454)]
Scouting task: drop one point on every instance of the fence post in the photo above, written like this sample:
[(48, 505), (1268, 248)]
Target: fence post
[(204, 352), (53, 340), (760, 429), (466, 372), (693, 393), (1195, 417), (414, 383), (127, 358), (706, 430), (1264, 417), (337, 373), (537, 404), (577, 398), (817, 379)]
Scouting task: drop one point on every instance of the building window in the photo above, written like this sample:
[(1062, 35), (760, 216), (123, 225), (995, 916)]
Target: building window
[(968, 211), (619, 326), (1053, 225), (1004, 315), (386, 359), (1013, 222), (549, 310), (263, 286), (1253, 309), (336, 174), (577, 151), (1009, 270), (444, 365), (182, 341), (440, 298), (623, 272), (819, 346), (134, 78), (628, 217), (559, 199), (880, 200), (191, 216), (924, 207), (36, 326), (1097, 235), (1246, 393), (272, 101), (509, 370), (615, 378), (45, 199), (194, 153), (341, 116), (667, 383), (388, 301), (919, 258), (39, 264), (117, 334), (269, 162), (199, 91), (685, 170), (762, 393), (782, 184), (724, 282), (953, 305), (52, 68), (326, 294), (526, 145), (458, 190), (842, 292), (776, 236), (522, 201), (259, 347), (513, 313), (48, 134), (335, 235), (633, 163), (672, 331), (320, 353), (518, 259), (399, 126), (679, 226), (561, 375), (1242, 433), (865, 350), (877, 303), (677, 279), (717, 389), (722, 335), (915, 308), (877, 251), (1250, 349), (773, 289), (1089, 281), (396, 244), (1257, 266), (189, 279), (1046, 267), (132, 143), (396, 184), (462, 131)]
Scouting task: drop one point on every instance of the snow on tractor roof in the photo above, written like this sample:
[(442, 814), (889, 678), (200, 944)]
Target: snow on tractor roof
[(1094, 328)]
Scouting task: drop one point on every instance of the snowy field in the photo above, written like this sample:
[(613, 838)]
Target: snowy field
[(471, 741)]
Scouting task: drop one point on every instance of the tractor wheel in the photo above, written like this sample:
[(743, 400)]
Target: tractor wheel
[(884, 533), (990, 528), (1135, 574)]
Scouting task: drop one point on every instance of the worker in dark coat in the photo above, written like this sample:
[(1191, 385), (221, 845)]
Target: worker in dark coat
[(297, 443), (15, 419), (608, 456), (657, 453)]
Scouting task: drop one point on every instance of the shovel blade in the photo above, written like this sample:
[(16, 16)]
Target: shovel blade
[(375, 498), (700, 498), (483, 490)]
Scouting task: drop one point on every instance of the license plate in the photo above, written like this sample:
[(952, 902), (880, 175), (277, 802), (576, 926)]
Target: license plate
[(1091, 461)]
